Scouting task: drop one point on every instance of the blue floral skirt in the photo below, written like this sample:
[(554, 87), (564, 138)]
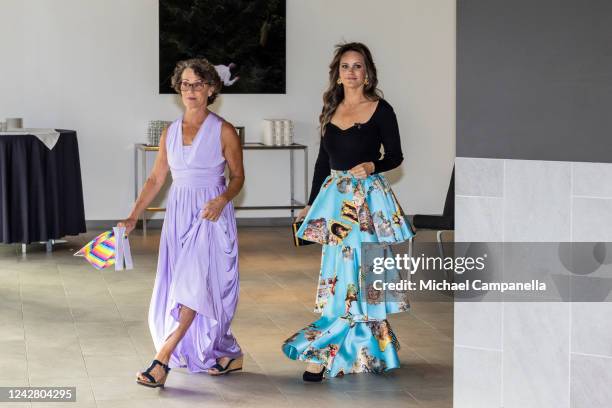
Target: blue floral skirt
[(353, 334)]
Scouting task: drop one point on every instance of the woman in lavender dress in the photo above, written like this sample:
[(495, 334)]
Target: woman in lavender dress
[(196, 287)]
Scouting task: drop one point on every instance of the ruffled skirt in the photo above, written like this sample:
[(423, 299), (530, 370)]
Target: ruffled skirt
[(353, 334)]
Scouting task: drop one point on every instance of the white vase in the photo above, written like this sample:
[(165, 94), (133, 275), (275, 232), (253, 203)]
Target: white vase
[(287, 132), (268, 132), (278, 132)]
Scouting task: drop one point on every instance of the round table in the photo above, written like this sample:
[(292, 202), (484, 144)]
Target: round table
[(41, 195)]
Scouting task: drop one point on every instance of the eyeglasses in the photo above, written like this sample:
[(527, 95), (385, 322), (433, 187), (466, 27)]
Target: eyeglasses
[(196, 86)]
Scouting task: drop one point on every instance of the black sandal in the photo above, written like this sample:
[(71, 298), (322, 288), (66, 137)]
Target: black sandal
[(152, 382), (314, 377), (235, 364)]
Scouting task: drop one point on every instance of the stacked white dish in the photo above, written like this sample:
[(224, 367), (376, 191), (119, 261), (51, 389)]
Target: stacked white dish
[(277, 132)]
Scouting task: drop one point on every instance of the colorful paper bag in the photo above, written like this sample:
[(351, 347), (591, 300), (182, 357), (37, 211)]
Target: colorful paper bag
[(108, 248)]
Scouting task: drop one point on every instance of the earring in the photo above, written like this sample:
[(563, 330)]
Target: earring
[(366, 82), (339, 81)]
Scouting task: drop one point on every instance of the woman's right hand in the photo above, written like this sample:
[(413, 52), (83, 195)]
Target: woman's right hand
[(128, 223), (302, 214)]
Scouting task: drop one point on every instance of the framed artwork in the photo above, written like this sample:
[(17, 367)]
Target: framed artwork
[(244, 39)]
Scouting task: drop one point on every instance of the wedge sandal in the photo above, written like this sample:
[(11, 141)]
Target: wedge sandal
[(151, 381)]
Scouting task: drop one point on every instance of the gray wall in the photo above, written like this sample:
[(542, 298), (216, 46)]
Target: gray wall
[(533, 355), (534, 102), (534, 79)]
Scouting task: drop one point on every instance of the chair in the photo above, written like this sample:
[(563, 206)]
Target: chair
[(441, 223)]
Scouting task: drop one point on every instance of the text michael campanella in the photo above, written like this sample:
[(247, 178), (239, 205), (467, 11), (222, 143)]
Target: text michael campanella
[(458, 265)]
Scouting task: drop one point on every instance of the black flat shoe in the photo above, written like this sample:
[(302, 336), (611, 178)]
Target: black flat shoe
[(313, 377)]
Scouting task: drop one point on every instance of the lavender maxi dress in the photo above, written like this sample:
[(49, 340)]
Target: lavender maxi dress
[(198, 259)]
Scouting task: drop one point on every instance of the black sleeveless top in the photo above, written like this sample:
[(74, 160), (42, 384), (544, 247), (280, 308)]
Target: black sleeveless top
[(344, 149)]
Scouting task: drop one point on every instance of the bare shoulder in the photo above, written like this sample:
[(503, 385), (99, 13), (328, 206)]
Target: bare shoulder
[(228, 130), (229, 136), (227, 127)]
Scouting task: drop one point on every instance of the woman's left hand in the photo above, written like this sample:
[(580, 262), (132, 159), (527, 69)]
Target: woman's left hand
[(362, 170), (212, 209)]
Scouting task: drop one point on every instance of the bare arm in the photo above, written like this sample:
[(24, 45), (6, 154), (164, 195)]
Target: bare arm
[(151, 187), (232, 151)]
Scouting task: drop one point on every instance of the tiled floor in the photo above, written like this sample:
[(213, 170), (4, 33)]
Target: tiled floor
[(64, 323)]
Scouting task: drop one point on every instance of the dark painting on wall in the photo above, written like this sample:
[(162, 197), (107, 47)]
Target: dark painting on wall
[(243, 39)]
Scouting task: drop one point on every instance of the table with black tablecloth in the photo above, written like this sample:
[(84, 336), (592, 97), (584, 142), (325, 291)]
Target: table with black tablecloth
[(41, 195)]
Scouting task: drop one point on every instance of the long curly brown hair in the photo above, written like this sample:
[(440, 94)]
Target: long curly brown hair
[(335, 92)]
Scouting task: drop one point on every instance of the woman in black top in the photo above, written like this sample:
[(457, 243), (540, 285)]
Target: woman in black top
[(351, 202), (360, 154)]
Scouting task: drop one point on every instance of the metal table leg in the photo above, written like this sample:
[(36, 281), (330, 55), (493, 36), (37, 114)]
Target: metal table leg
[(306, 176), (291, 174), (136, 172), (143, 177)]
